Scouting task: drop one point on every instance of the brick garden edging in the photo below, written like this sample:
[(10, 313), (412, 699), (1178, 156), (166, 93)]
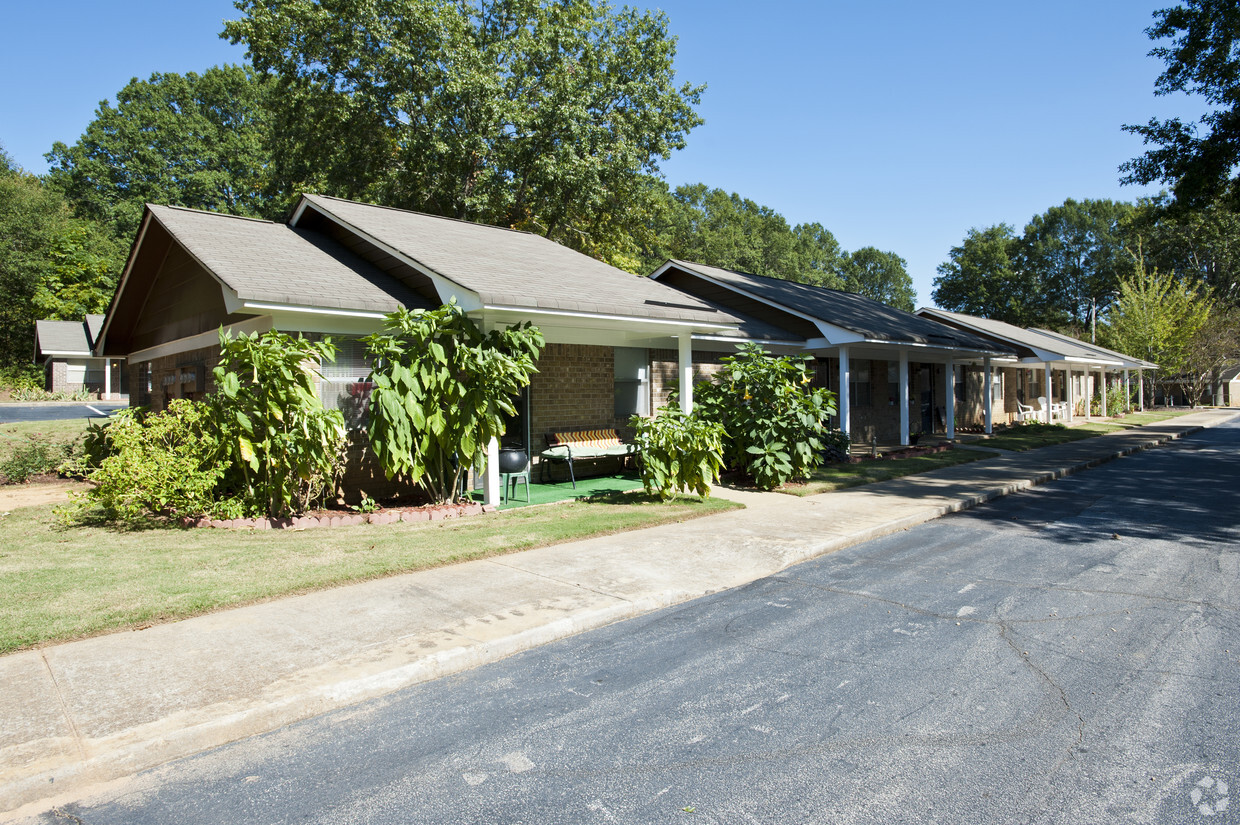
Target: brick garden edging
[(437, 512)]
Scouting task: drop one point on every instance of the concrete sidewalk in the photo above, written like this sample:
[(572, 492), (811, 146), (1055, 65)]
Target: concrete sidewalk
[(105, 708)]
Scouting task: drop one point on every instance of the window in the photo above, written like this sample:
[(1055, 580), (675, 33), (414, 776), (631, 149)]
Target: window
[(893, 383), (344, 386), (632, 382), (859, 384)]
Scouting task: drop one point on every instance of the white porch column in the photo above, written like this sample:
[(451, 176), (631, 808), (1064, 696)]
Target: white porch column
[(107, 379), (1127, 393), (1141, 390), (845, 420), (685, 364), (490, 482), (949, 378), (1046, 388), (903, 401), (1071, 396), (1102, 390), (989, 392)]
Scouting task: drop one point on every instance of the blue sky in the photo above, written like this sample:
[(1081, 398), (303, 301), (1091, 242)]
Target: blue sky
[(895, 123)]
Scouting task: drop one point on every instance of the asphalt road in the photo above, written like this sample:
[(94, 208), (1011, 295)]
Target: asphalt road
[(11, 412), (1070, 654)]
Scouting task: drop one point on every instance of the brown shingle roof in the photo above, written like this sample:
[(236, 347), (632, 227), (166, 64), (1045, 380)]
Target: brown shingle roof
[(505, 267), (270, 262)]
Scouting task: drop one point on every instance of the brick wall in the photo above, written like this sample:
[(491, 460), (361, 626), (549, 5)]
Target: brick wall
[(665, 372), (170, 376), (58, 377), (574, 389)]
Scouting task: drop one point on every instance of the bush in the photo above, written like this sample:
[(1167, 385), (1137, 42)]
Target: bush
[(33, 457), (281, 448), (20, 377), (678, 452), (772, 417), (442, 389), (40, 394), (1116, 402), (164, 463), (836, 446)]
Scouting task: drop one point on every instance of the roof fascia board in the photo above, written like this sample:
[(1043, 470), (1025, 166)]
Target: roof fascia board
[(735, 339), (630, 319), (260, 323), (265, 306), (445, 287)]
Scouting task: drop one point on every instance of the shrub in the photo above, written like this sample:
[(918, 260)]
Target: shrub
[(33, 457), (442, 389), (836, 446), (21, 377), (40, 394), (282, 450), (678, 452), (772, 417), (1116, 402), (164, 463)]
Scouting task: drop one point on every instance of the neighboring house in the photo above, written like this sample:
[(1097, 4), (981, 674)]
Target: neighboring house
[(337, 267), (895, 373), (65, 351), (1230, 387), (1049, 365)]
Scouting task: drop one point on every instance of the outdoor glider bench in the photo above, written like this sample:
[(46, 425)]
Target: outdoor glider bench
[(583, 445)]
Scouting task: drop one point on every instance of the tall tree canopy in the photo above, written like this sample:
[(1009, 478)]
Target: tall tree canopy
[(1200, 245), (1077, 252), (717, 228), (1202, 59), (191, 140), (546, 115), (713, 227), (52, 265), (880, 275), (1063, 272), (981, 277)]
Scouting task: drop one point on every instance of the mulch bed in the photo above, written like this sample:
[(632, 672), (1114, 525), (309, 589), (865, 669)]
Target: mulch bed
[(330, 518)]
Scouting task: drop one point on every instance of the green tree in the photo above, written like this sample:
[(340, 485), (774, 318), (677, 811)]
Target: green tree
[(880, 275), (442, 389), (1201, 245), (819, 256), (1212, 349), (542, 115), (190, 140), (1077, 252), (1202, 59), (51, 264), (1156, 317), (982, 278), (717, 228)]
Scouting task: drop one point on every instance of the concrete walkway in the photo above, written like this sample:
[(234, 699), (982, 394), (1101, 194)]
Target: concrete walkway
[(105, 708)]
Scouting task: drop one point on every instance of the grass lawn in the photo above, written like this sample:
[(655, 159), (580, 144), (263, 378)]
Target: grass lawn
[(18, 433), (59, 583), (839, 476), (1030, 436)]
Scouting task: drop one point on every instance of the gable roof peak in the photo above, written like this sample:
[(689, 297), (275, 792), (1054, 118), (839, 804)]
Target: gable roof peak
[(313, 196)]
